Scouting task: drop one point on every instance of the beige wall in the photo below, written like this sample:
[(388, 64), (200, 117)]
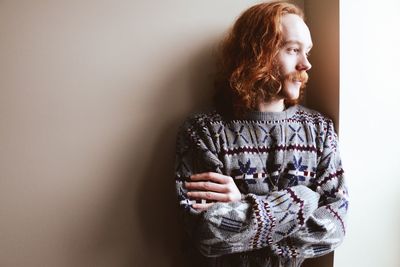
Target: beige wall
[(91, 96)]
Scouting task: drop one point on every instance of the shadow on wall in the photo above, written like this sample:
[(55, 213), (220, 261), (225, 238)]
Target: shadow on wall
[(140, 226), (188, 88)]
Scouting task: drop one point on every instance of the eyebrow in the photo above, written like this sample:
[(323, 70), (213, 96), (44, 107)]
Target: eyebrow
[(296, 42)]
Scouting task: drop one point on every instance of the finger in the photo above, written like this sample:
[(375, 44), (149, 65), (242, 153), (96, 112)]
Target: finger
[(208, 196), (206, 186), (211, 176), (201, 207)]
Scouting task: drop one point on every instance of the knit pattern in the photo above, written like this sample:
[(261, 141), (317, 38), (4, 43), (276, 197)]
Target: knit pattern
[(288, 168)]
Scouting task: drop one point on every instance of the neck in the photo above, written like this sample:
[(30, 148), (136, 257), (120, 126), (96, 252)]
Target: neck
[(277, 105)]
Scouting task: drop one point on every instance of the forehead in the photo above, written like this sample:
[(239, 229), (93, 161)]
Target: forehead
[(294, 29)]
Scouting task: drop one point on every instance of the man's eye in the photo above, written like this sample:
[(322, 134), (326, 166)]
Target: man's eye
[(293, 50)]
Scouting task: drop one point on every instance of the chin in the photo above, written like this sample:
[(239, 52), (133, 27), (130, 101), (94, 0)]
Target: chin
[(292, 93)]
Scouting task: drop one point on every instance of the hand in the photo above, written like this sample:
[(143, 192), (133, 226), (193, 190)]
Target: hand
[(212, 186)]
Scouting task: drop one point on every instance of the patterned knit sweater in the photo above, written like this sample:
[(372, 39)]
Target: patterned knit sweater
[(288, 169)]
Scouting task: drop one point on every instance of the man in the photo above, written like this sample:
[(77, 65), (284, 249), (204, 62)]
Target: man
[(260, 180)]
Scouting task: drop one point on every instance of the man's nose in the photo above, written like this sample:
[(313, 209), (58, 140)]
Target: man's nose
[(304, 64)]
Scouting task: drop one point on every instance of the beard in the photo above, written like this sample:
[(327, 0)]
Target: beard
[(276, 86), (289, 91)]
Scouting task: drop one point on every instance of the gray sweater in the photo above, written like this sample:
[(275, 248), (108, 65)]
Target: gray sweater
[(288, 169)]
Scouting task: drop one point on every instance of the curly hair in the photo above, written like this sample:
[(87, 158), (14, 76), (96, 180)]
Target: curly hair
[(248, 73)]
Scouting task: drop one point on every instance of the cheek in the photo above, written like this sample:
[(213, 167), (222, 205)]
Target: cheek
[(286, 64)]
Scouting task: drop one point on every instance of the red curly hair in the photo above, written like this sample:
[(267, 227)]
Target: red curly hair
[(248, 74)]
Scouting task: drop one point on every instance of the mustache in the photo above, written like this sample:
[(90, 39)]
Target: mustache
[(300, 76)]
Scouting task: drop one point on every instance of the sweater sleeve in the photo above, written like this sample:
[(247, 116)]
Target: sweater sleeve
[(325, 228), (287, 222)]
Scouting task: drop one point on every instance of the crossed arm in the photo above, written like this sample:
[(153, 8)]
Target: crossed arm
[(294, 222), (213, 187)]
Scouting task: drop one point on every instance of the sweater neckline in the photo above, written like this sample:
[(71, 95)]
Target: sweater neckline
[(268, 116)]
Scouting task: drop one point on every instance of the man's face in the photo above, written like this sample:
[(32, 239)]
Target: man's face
[(292, 57)]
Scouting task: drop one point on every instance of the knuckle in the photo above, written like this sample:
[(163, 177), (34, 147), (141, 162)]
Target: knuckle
[(208, 195), (224, 189), (206, 186)]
